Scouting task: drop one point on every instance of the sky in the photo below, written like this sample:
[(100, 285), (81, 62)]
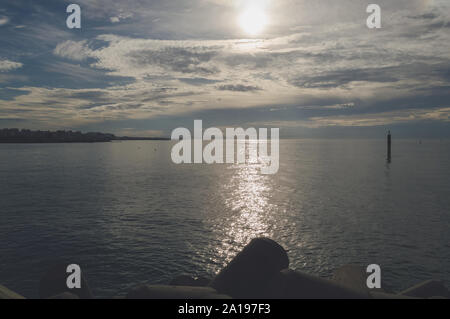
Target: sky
[(310, 68)]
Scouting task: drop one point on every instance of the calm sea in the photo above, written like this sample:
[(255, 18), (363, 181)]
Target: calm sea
[(128, 215)]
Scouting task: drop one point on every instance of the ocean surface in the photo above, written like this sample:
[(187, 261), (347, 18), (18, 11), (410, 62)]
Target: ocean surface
[(127, 215)]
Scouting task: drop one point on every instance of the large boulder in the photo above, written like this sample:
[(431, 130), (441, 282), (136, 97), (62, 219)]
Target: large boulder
[(290, 284), (187, 280), (383, 295), (354, 277), (5, 293), (248, 274), (65, 295), (54, 283), (428, 289), (174, 292)]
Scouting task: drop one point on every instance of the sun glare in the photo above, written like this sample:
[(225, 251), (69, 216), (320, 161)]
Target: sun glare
[(254, 18)]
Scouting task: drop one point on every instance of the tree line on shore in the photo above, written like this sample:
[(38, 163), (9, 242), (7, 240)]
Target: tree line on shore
[(17, 135), (14, 135)]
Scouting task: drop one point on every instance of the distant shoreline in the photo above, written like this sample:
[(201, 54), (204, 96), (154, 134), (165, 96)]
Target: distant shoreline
[(24, 136), (142, 139), (55, 141), (32, 141), (77, 142)]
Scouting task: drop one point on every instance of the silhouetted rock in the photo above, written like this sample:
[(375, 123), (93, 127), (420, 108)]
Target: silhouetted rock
[(186, 280), (259, 271), (174, 292), (65, 295), (54, 283), (427, 289), (290, 284), (182, 280), (202, 281), (383, 295), (5, 293), (354, 277), (247, 275)]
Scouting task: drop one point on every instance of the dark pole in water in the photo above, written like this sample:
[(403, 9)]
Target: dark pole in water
[(389, 145)]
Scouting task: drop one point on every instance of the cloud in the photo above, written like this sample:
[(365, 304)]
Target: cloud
[(384, 118), (367, 120), (72, 107), (391, 74), (316, 61), (198, 81), (120, 17), (177, 59), (3, 20), (77, 51), (7, 65), (77, 73), (238, 88), (180, 76), (425, 16)]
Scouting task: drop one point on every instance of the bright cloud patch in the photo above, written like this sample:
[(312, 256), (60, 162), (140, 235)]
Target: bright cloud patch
[(3, 20), (77, 51), (6, 65)]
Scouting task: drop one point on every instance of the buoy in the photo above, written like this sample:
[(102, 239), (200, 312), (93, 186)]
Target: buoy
[(389, 147)]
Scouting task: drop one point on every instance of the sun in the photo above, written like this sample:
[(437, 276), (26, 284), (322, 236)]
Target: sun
[(253, 19)]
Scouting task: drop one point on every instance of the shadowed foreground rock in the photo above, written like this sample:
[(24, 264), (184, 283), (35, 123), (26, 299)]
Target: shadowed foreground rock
[(65, 295), (187, 280), (354, 277), (248, 274), (53, 284), (174, 292), (5, 293), (259, 271), (427, 289), (290, 284)]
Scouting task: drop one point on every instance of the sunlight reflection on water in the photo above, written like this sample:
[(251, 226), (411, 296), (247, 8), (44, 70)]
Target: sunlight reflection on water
[(247, 197)]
